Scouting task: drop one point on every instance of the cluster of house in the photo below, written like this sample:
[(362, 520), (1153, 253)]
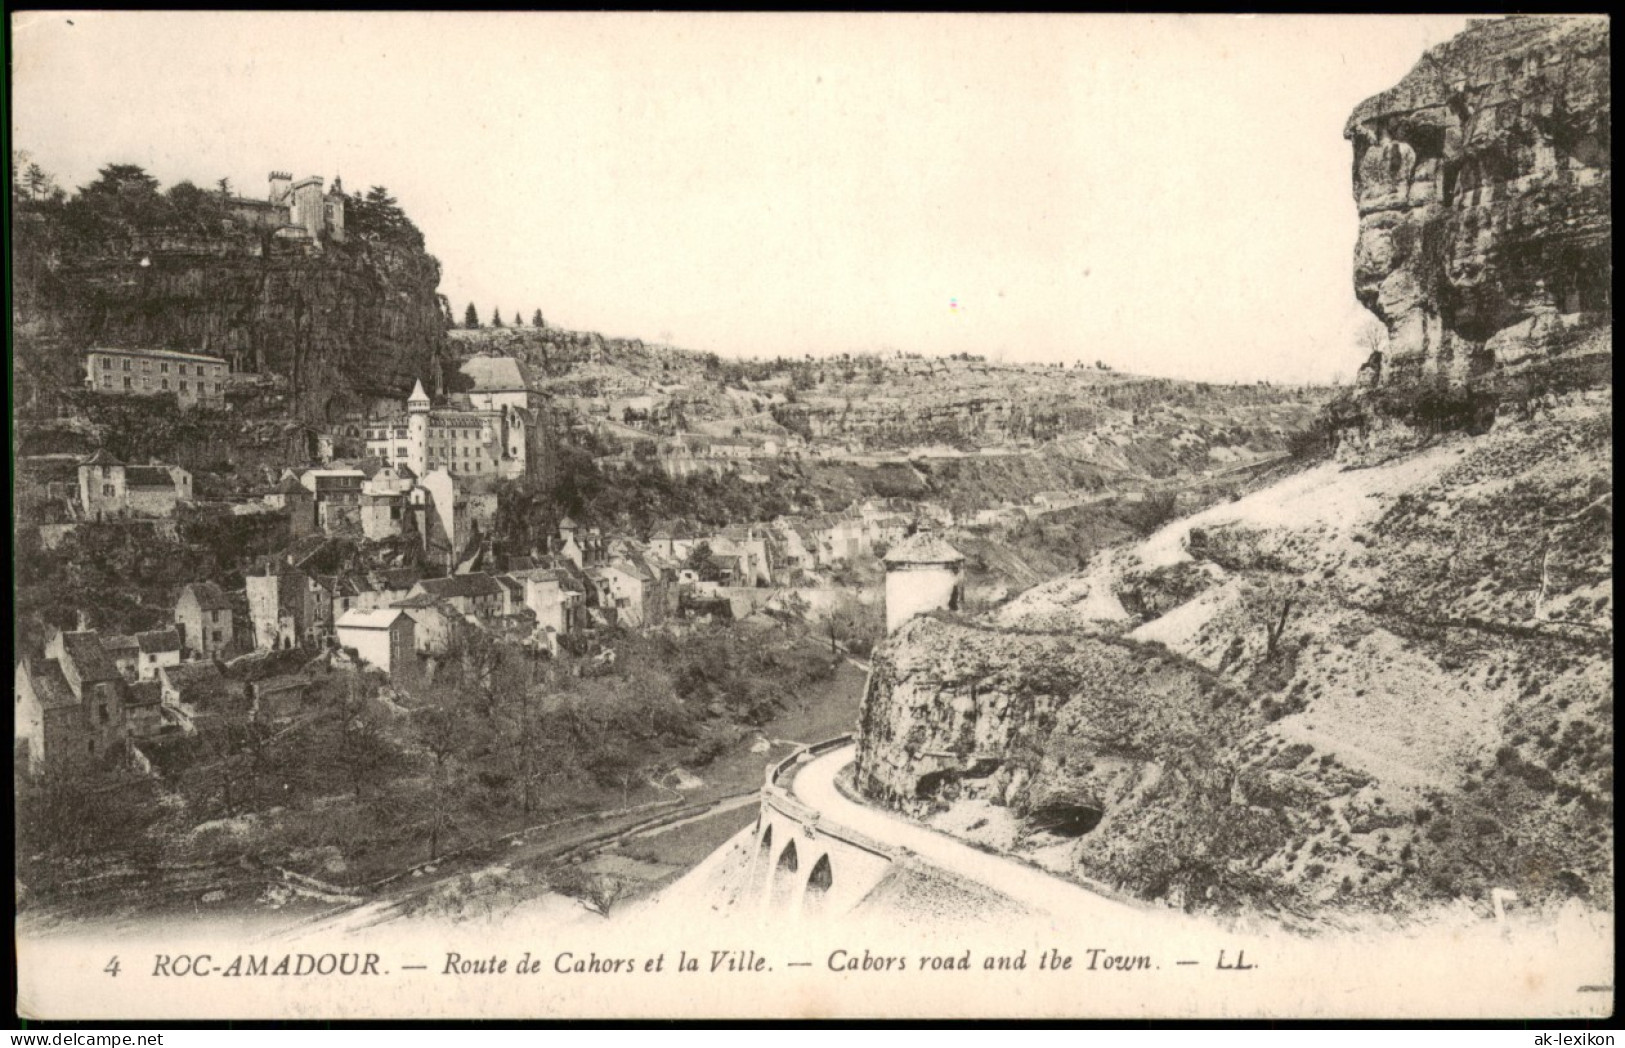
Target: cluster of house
[(96, 697), (91, 696), (427, 470)]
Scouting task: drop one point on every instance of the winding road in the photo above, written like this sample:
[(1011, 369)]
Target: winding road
[(814, 786)]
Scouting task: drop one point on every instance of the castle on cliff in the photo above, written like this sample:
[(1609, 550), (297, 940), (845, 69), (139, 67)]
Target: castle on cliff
[(299, 210)]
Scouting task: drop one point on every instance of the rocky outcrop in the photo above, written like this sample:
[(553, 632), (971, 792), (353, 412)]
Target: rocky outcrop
[(339, 325), (1118, 753), (1483, 181), (957, 701)]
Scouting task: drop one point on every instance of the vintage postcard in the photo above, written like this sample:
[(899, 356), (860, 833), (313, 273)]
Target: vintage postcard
[(804, 516)]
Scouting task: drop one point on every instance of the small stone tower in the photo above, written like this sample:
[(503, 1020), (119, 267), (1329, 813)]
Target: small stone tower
[(278, 184), (923, 573), (417, 430)]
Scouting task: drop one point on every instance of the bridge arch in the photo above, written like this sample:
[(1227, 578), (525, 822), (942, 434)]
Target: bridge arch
[(784, 879), (819, 882)]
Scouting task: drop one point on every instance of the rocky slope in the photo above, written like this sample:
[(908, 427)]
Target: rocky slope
[(1483, 181), (355, 320), (1368, 688), (1385, 680)]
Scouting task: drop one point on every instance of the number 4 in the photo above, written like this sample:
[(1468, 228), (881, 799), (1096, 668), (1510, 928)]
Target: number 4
[(112, 967)]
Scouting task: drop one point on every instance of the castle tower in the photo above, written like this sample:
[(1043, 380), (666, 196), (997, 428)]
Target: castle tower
[(308, 207), (279, 184), (417, 430), (923, 573), (333, 204)]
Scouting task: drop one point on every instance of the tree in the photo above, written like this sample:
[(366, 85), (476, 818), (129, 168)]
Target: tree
[(597, 891), (378, 216), (496, 316), (536, 320), (699, 560), (39, 184), (517, 322), (365, 750), (129, 180), (471, 317), (441, 731), (223, 186), (1372, 337)]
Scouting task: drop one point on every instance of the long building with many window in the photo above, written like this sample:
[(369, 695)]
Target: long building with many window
[(193, 378)]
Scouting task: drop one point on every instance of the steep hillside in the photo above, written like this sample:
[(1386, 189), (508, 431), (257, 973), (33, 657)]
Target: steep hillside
[(1367, 687)]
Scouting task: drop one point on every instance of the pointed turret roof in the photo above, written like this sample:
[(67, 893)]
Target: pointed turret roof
[(101, 458), (418, 396)]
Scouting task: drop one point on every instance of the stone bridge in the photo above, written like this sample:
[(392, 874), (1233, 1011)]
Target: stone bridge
[(804, 866)]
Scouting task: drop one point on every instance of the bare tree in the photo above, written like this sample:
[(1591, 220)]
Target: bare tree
[(595, 890), (1372, 337)]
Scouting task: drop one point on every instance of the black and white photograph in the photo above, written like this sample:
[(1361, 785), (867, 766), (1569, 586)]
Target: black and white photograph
[(555, 516)]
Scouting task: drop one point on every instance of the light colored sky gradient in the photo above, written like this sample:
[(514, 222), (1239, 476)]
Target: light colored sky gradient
[(1168, 194)]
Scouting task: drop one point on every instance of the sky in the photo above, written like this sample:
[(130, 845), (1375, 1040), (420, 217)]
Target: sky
[(1167, 194)]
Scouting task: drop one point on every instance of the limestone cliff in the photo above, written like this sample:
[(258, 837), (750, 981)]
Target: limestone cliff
[(1483, 181), (341, 324)]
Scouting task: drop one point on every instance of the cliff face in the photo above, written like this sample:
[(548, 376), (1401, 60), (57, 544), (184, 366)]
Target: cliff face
[(1483, 186), (353, 321)]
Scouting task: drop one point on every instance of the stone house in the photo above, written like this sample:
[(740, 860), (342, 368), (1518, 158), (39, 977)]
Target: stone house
[(476, 594), (278, 698), (194, 378), (156, 649), (382, 638), (750, 546), (337, 493), (842, 539), (673, 542), (69, 709), (554, 597), (435, 624), (621, 587), (109, 488), (300, 503), (49, 722), (386, 503), (125, 653), (198, 692), (799, 543), (283, 606), (203, 618)]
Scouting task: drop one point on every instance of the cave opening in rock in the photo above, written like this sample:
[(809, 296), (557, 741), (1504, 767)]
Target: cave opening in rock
[(1064, 819), (932, 781)]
